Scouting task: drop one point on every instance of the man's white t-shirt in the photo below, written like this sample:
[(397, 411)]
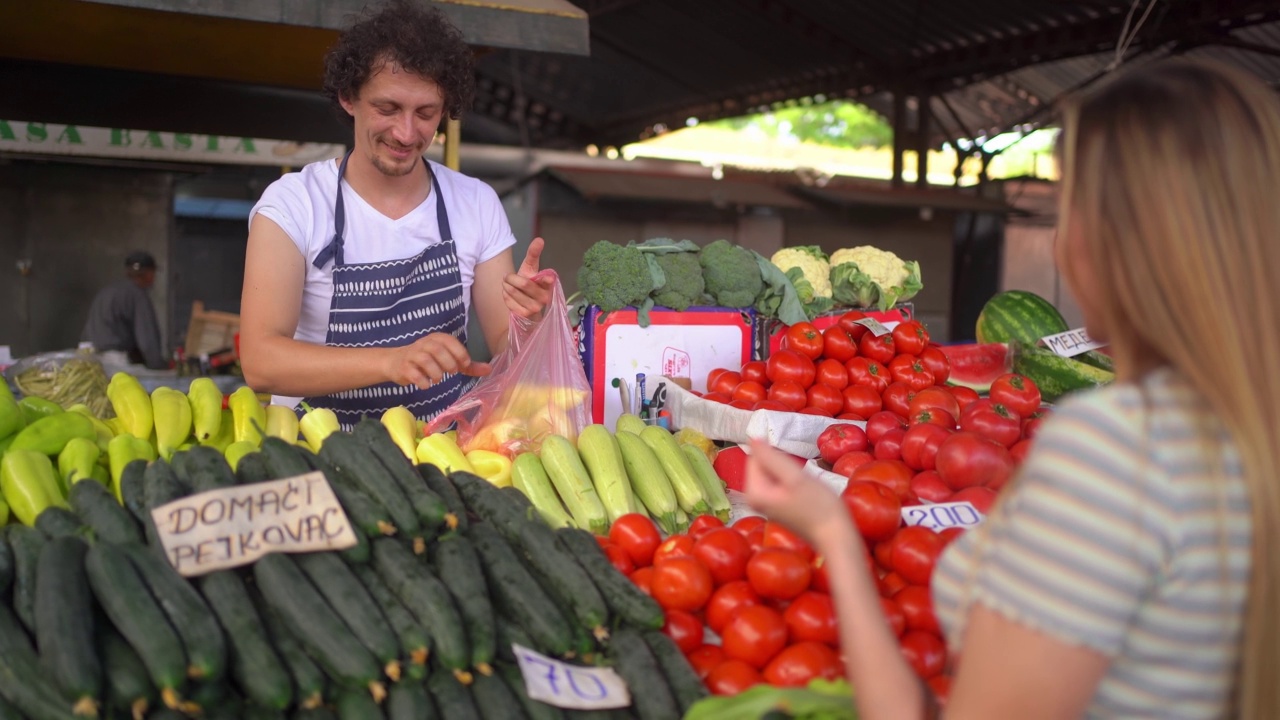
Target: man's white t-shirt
[(302, 204)]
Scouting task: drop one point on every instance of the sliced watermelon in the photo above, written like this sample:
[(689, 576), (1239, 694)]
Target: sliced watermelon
[(977, 365)]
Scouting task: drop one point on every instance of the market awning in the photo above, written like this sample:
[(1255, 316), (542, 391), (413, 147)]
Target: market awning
[(672, 187), (866, 195)]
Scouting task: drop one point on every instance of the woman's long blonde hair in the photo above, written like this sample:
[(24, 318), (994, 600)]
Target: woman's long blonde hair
[(1173, 174)]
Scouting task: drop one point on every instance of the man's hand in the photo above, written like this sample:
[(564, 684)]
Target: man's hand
[(424, 362), (525, 297)]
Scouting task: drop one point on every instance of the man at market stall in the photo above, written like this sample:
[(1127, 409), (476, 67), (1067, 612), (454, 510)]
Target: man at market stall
[(360, 271), (122, 321)]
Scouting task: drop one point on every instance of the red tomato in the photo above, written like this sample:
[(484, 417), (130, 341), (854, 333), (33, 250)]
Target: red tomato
[(862, 400), (731, 465), (966, 460), (741, 404), (917, 608), (897, 399), (850, 417), (882, 422), (789, 365), (732, 677), (838, 345), (934, 416), (819, 582), (620, 559), (674, 546), (880, 349), (964, 395), (805, 339), (754, 371), (910, 337), (981, 498), (891, 583), (714, 375), (748, 391), (685, 629), (913, 551), (1019, 451), (937, 362), (851, 461), (875, 509), (928, 486), (838, 440), (643, 579), (894, 616), (951, 534), (849, 323), (880, 553), (935, 398), (1016, 392), (908, 369), (812, 616), (745, 525), (940, 686), (820, 412), (681, 583), (705, 658), (778, 573), (825, 398), (992, 421), (1031, 425), (638, 535), (727, 600), (889, 446), (722, 398), (920, 445), (801, 663), (755, 635), (925, 652), (832, 373), (726, 382), (789, 393), (704, 524), (777, 535), (725, 553), (755, 539), (867, 372), (893, 474), (771, 405)]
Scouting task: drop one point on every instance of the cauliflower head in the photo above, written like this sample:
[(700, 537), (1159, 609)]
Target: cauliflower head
[(813, 265), (866, 276)]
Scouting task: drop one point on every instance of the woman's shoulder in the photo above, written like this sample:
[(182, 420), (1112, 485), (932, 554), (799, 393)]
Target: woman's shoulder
[(1160, 401)]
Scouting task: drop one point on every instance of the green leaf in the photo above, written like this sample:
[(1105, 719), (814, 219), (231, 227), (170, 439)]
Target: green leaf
[(664, 245), (815, 251), (779, 298), (851, 286)]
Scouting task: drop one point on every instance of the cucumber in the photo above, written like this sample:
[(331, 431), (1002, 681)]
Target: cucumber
[(460, 570), (451, 697), (429, 507), (159, 486), (509, 633), (650, 694), (257, 669), (519, 595), (166, 714), (410, 701), (133, 489), (56, 522), (357, 608), (494, 699), (363, 511), (205, 469), (316, 713), (26, 543), (64, 623), (686, 687), (533, 709), (230, 707), (361, 551), (440, 485), (415, 641), (281, 459), (123, 595), (564, 577), (357, 705), (347, 453), (258, 712), (308, 679), (319, 630), (489, 504), (252, 468), (6, 566), (429, 601), (187, 611), (204, 695), (627, 602), (128, 686), (23, 682), (9, 712), (99, 510)]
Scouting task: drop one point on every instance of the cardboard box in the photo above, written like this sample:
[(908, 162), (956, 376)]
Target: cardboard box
[(769, 330), (684, 346)]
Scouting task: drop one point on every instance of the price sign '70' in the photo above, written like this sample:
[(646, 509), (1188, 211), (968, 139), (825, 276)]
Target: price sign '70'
[(570, 686)]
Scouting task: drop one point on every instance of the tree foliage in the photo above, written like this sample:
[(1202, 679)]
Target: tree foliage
[(838, 123)]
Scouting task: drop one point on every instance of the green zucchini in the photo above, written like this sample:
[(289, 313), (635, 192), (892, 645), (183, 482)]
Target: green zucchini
[(564, 577), (627, 602), (319, 630), (451, 697), (133, 489), (355, 704), (6, 566), (187, 611), (345, 452), (308, 679), (253, 468), (459, 568), (440, 485), (56, 522), (429, 601), (26, 543), (494, 699), (205, 469), (410, 701), (533, 709), (429, 507), (530, 478), (650, 694), (519, 595), (128, 686), (99, 510), (352, 602), (256, 667), (489, 504), (363, 511), (686, 687), (124, 596), (64, 623), (23, 682), (415, 641)]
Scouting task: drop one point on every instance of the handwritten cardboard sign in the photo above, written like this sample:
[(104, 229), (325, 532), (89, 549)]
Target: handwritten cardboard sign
[(876, 327), (570, 686), (940, 516), (234, 526), (1071, 343)]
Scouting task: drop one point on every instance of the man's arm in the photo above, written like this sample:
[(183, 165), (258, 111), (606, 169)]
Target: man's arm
[(486, 296)]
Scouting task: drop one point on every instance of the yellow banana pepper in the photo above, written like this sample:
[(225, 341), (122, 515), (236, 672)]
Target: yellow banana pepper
[(442, 451), (172, 418), (237, 450), (403, 428), (77, 461), (33, 408), (206, 408), (104, 431), (225, 435), (317, 424), (492, 466), (282, 422), (248, 415), (132, 405), (29, 484), (49, 435), (11, 420)]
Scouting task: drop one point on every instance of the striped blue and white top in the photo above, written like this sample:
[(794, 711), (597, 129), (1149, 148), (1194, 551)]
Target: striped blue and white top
[(1126, 535)]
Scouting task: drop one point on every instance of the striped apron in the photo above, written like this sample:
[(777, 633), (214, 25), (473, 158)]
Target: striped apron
[(394, 303)]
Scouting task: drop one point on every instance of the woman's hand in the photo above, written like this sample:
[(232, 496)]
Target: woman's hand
[(523, 296), (424, 362), (780, 489)]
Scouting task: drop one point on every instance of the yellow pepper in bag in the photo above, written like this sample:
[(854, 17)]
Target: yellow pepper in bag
[(317, 424), (403, 428), (49, 435), (492, 466), (248, 415), (282, 422), (206, 408), (77, 461), (132, 405), (29, 484), (442, 451), (173, 419)]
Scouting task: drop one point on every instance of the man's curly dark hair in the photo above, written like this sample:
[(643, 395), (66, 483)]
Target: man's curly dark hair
[(413, 35)]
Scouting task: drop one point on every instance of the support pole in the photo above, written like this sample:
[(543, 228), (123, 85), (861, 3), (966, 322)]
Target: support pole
[(899, 134), (923, 120), (452, 143)]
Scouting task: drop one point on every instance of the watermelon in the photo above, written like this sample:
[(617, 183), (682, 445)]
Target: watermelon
[(1018, 316), (977, 365), (1055, 375)]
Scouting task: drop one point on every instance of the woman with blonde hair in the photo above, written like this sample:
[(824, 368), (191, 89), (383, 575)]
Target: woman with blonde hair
[(1133, 567)]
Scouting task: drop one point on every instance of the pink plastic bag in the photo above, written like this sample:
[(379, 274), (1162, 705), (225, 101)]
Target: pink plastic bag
[(536, 387)]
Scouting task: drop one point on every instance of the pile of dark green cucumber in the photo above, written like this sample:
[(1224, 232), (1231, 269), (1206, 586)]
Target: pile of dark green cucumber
[(415, 621)]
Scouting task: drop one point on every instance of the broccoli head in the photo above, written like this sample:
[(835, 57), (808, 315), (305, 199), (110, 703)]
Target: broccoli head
[(684, 285), (731, 274), (614, 277)]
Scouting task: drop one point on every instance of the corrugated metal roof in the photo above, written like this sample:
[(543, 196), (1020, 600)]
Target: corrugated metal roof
[(683, 187)]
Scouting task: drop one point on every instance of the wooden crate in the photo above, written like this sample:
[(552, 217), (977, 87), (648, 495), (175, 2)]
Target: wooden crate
[(210, 330)]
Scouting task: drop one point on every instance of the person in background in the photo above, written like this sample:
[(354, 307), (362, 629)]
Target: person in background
[(1132, 568), (360, 272), (122, 318)]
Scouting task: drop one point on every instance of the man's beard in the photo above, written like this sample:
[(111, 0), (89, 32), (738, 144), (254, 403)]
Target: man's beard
[(390, 168)]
